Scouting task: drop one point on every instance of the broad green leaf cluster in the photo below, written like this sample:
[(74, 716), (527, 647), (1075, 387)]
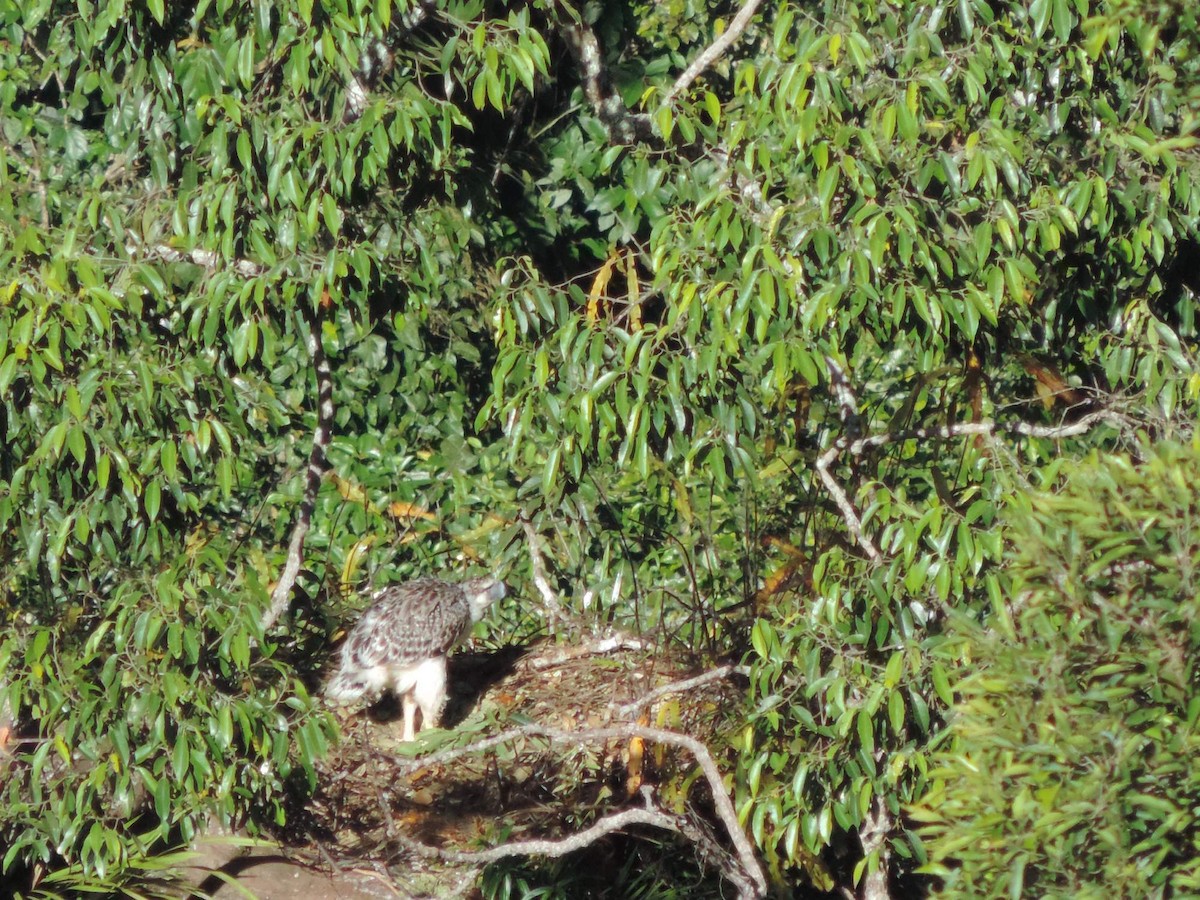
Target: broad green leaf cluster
[(1071, 771)]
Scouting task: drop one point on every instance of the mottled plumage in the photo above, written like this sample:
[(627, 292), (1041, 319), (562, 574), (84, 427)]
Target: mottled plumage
[(402, 641)]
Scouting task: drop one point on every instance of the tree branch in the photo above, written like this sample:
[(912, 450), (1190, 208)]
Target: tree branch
[(990, 429), (859, 445), (541, 580), (600, 647), (281, 596), (873, 835), (623, 126), (710, 851), (376, 59), (849, 513), (713, 51), (205, 259)]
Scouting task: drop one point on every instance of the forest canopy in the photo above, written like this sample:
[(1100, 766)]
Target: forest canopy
[(851, 343)]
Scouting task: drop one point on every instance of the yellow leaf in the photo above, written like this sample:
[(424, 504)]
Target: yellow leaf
[(633, 769), (781, 577), (599, 285), (350, 490), (635, 292), (404, 510), (491, 523), (1050, 384), (353, 560), (668, 714)]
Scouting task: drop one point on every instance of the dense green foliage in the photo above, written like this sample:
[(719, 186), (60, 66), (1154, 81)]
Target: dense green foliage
[(156, 415), (1072, 771), (623, 333)]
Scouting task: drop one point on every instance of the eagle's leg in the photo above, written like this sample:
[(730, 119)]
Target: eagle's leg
[(430, 691), (409, 702)]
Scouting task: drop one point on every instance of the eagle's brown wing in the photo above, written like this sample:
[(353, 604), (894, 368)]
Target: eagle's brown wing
[(408, 623)]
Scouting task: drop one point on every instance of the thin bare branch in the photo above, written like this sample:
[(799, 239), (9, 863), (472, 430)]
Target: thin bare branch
[(713, 51), (849, 513), (965, 429), (601, 647), (859, 445), (281, 596), (541, 580), (678, 687)]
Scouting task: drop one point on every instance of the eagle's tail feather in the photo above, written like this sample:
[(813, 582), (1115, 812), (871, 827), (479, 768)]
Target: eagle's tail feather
[(345, 688)]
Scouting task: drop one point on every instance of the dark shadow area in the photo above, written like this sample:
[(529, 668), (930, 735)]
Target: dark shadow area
[(232, 869), (472, 674)]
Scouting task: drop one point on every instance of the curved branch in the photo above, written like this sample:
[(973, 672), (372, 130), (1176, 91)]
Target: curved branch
[(723, 805), (858, 445), (553, 848)]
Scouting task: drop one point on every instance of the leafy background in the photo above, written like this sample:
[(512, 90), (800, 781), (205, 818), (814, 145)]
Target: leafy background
[(979, 211)]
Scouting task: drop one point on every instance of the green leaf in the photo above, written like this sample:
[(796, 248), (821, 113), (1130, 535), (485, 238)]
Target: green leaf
[(1016, 877), (896, 712), (245, 61), (866, 732), (152, 497)]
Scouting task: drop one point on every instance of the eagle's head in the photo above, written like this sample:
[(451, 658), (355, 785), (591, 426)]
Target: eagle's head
[(481, 593)]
